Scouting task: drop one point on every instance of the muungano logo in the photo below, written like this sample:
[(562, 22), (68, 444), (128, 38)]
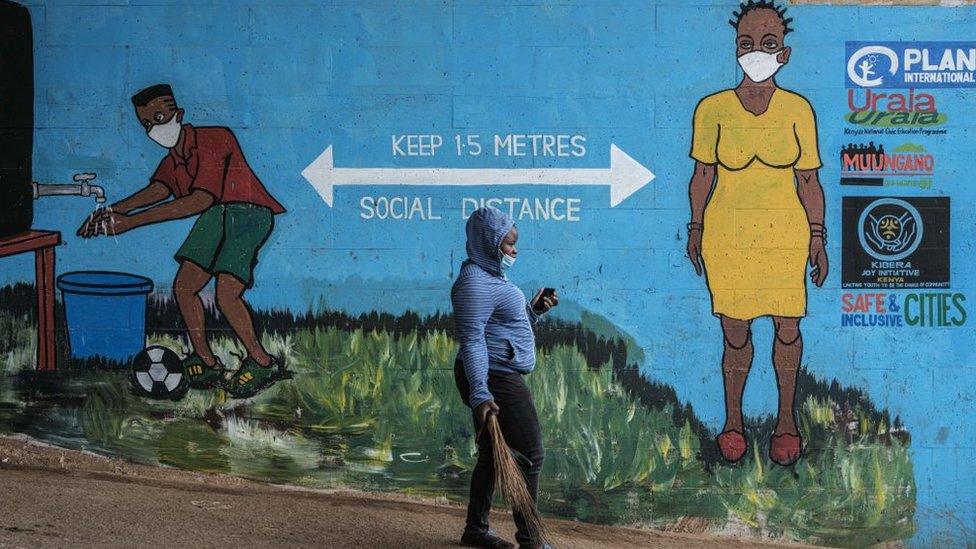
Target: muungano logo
[(907, 165)]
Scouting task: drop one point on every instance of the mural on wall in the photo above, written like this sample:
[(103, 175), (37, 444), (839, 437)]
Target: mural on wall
[(757, 219), (206, 174), (373, 406), (381, 137)]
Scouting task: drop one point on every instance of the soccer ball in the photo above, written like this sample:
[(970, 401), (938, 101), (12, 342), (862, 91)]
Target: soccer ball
[(157, 373)]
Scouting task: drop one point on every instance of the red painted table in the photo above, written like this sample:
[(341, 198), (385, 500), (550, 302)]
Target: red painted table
[(42, 243)]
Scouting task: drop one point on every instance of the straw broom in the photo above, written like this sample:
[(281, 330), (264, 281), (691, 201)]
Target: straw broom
[(511, 481)]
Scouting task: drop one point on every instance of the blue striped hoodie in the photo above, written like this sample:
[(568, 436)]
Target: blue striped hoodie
[(492, 320)]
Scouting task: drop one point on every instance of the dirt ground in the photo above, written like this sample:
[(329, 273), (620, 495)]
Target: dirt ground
[(51, 497)]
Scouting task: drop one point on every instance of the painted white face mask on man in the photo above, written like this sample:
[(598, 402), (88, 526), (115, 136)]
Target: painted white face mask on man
[(166, 134), (760, 66)]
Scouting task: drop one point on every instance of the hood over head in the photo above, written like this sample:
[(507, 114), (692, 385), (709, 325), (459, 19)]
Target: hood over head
[(486, 228)]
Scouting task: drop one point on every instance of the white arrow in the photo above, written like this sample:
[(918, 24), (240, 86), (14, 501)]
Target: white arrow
[(624, 176)]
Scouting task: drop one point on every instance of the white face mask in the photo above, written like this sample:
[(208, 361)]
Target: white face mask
[(760, 66), (166, 134), (507, 261)]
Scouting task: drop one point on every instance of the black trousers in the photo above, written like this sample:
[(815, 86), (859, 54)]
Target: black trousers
[(520, 426)]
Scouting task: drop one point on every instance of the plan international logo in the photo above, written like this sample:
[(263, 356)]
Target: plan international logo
[(911, 65)]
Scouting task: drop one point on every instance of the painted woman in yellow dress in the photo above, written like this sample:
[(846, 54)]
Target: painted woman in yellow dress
[(757, 218)]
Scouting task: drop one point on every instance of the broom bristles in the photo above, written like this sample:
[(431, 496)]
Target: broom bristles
[(510, 480)]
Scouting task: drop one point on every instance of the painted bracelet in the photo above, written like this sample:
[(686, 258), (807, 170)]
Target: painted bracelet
[(695, 226)]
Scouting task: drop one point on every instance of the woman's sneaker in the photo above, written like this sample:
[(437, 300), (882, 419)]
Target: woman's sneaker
[(487, 540)]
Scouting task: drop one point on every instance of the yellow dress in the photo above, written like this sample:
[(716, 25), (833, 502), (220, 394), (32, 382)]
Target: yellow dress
[(756, 237)]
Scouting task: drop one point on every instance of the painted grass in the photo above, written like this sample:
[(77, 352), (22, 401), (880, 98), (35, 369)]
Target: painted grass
[(381, 412)]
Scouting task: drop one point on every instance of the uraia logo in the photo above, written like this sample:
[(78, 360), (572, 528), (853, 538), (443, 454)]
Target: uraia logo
[(893, 109)]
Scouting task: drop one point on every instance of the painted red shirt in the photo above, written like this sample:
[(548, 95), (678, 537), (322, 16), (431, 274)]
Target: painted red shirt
[(212, 161)]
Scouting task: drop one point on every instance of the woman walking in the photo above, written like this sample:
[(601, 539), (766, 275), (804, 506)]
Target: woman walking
[(757, 218), (497, 347)]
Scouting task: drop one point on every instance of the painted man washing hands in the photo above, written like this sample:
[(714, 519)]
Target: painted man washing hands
[(205, 173)]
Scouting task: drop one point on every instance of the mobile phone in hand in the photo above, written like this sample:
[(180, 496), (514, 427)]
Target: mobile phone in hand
[(546, 292)]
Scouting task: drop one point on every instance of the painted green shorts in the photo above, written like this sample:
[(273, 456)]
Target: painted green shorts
[(226, 239)]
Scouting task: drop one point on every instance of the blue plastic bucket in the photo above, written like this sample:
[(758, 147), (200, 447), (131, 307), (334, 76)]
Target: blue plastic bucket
[(105, 313)]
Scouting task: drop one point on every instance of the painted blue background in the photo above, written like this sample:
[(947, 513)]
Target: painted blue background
[(292, 77)]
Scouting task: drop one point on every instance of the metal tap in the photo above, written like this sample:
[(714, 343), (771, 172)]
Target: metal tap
[(82, 188)]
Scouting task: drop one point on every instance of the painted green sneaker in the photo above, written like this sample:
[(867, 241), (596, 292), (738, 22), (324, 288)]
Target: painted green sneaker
[(252, 378), (201, 376)]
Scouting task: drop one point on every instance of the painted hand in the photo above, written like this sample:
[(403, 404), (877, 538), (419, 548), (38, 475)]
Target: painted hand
[(694, 250), (114, 224), (818, 260), (89, 227), (541, 304)]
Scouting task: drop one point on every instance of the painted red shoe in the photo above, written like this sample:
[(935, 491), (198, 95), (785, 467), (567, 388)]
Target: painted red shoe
[(784, 449), (732, 444)]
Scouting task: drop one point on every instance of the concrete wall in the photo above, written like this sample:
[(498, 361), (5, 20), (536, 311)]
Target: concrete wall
[(292, 78)]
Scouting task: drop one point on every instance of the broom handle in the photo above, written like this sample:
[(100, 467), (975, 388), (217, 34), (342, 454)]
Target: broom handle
[(519, 456), (477, 438)]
